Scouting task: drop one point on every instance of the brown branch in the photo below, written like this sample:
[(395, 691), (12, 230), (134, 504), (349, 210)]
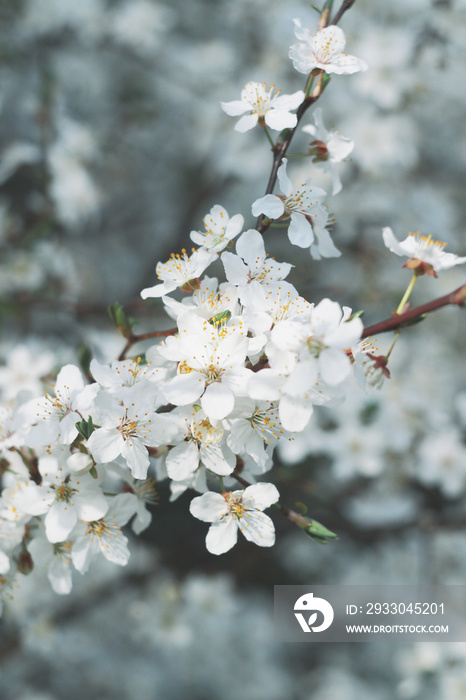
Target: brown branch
[(133, 339), (397, 321), (281, 147), (347, 4)]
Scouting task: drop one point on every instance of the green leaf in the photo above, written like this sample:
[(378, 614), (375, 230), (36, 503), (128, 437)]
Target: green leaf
[(301, 507), (86, 428), (84, 358), (123, 323), (318, 532)]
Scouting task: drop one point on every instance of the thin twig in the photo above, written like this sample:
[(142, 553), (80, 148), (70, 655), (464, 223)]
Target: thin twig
[(397, 321), (132, 340), (280, 149)]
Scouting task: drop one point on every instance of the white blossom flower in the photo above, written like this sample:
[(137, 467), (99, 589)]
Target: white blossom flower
[(425, 254), (23, 371), (118, 377), (104, 536), (64, 498), (441, 461), (267, 304), (203, 443), (268, 105), (230, 511), (207, 301), (324, 50), (309, 218), (330, 148), (219, 230), (129, 427), (57, 558), (180, 271), (56, 416), (211, 365), (253, 426), (252, 262)]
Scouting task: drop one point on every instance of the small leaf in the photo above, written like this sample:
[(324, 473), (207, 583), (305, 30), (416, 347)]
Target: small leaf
[(84, 358), (319, 532), (301, 507), (122, 323), (86, 428)]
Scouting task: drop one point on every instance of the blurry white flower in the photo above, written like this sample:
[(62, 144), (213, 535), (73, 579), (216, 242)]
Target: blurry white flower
[(235, 510), (441, 462), (104, 536), (330, 147), (268, 105), (178, 271), (309, 217), (425, 254), (220, 230), (141, 25), (324, 50)]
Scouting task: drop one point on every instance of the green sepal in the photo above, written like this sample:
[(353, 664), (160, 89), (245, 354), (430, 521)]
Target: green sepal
[(93, 472), (122, 322), (84, 358), (86, 427), (357, 314), (319, 533), (302, 507)]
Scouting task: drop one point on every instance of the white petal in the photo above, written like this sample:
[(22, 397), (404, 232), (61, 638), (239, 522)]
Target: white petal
[(270, 205), (137, 457), (82, 553), (247, 122), (209, 507), (284, 181), (235, 108), (115, 549), (300, 231), (258, 528), (59, 521), (280, 119), (250, 246), (294, 414), (222, 536), (260, 496), (59, 575), (218, 459), (68, 430), (218, 401), (391, 242), (184, 388), (182, 460), (236, 271), (334, 366), (92, 504), (105, 445)]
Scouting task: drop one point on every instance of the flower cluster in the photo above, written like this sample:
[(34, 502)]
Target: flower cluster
[(246, 363)]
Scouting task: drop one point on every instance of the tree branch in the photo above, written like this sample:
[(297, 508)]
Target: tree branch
[(397, 321)]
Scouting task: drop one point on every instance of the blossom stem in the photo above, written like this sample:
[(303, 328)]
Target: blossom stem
[(133, 339), (309, 83), (347, 4), (407, 293), (269, 138), (397, 335), (455, 298)]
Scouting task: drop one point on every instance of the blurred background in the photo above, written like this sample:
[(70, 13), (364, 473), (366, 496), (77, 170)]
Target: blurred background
[(113, 146)]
